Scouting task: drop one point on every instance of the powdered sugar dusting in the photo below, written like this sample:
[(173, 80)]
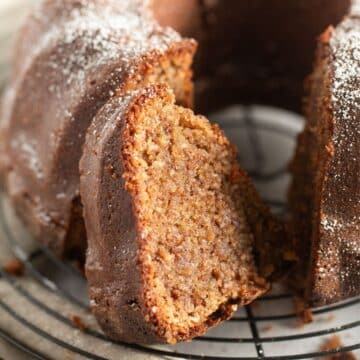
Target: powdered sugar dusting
[(84, 36), (30, 153), (98, 38), (91, 34), (346, 51), (340, 249), (331, 224), (345, 47)]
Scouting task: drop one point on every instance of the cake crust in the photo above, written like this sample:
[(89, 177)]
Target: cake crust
[(325, 195)]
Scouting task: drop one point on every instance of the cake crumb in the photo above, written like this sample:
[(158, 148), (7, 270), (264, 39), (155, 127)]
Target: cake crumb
[(334, 343), (266, 328), (330, 148), (331, 317), (78, 322), (326, 35), (255, 305), (14, 267), (303, 312)]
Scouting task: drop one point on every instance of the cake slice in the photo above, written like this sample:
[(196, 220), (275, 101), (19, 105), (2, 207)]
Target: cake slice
[(325, 194), (171, 219)]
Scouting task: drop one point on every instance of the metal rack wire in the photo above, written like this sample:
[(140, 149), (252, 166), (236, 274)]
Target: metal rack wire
[(41, 266)]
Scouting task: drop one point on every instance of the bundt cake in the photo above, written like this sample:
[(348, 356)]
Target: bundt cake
[(170, 247), (325, 194), (89, 68)]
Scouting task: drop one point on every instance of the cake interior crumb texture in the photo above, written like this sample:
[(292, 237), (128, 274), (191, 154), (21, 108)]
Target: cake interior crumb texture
[(195, 246)]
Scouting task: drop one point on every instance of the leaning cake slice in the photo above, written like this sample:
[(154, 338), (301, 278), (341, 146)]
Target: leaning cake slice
[(170, 220)]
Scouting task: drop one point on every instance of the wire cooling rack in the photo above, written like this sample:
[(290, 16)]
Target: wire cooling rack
[(42, 306)]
